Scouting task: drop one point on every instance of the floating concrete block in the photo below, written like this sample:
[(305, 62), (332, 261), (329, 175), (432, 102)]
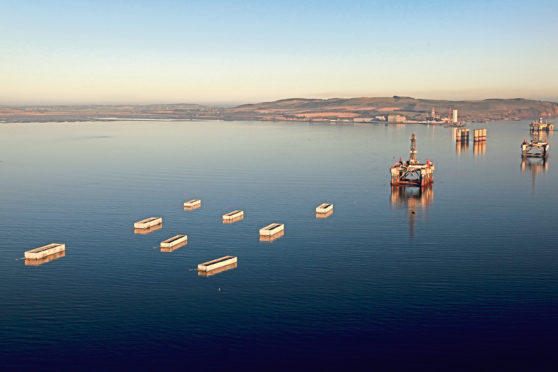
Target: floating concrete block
[(217, 263), (218, 271), (192, 204), (45, 250), (171, 244), (272, 229), (233, 216), (148, 222), (148, 230), (324, 208)]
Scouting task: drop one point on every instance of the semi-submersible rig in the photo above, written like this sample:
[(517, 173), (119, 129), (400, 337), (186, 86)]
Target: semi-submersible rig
[(411, 172)]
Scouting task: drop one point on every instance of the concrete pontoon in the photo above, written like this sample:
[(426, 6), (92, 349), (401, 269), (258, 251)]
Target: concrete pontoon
[(174, 241), (148, 222), (45, 250), (479, 135), (270, 238), (192, 204), (233, 216), (148, 230), (218, 271), (40, 261), (324, 208), (217, 263), (272, 229)]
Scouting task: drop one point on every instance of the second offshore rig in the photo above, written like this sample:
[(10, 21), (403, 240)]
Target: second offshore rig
[(411, 172)]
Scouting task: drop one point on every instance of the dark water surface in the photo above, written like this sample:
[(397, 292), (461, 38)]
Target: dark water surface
[(468, 281)]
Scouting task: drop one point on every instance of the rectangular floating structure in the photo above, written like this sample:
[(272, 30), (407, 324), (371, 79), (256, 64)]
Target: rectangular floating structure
[(45, 250), (148, 230), (148, 222), (174, 241), (270, 238), (272, 229), (234, 215), (40, 261), (479, 135), (218, 271), (194, 203), (217, 263), (324, 208)]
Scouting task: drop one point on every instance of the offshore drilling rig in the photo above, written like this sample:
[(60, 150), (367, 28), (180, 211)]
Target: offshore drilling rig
[(535, 148), (411, 172)]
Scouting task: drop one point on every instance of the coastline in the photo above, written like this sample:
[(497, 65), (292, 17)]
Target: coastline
[(364, 110)]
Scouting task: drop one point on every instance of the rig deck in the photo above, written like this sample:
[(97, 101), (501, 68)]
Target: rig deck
[(534, 148)]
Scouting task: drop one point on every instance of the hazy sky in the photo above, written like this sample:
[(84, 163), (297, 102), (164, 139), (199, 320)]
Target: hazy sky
[(244, 51)]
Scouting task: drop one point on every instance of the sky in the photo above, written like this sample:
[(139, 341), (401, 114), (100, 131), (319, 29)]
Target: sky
[(230, 52)]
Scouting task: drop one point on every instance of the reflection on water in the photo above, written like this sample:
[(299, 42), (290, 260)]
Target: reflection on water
[(324, 215), (40, 261), (479, 148), (265, 238), (479, 276), (415, 199), (218, 271), (543, 135), (148, 230), (534, 165), (461, 146)]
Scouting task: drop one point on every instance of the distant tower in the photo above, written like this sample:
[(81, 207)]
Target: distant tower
[(433, 114), (455, 116)]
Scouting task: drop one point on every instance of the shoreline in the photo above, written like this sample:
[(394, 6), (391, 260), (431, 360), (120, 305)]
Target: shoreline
[(33, 120)]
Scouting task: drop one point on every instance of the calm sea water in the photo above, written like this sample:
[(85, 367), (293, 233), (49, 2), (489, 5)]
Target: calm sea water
[(469, 280)]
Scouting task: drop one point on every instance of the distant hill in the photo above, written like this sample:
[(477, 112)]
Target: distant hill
[(362, 109), (377, 107)]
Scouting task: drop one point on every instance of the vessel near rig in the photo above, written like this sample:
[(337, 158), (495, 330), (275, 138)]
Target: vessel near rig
[(411, 172)]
